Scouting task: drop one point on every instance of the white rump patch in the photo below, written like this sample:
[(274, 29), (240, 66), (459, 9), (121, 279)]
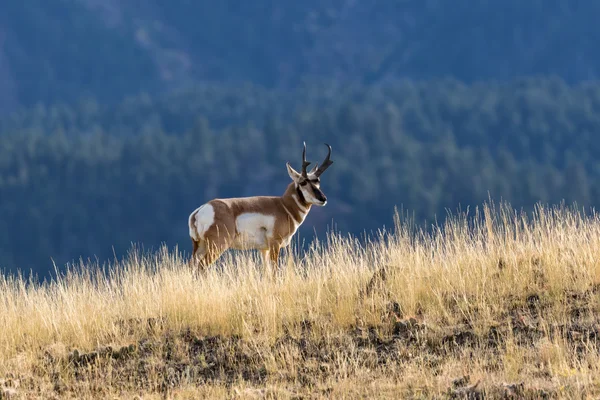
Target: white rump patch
[(201, 220), (253, 231)]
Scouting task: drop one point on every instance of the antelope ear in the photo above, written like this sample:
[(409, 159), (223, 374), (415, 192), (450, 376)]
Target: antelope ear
[(294, 175), (315, 168)]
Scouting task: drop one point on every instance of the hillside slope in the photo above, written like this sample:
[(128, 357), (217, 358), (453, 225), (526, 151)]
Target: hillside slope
[(494, 304)]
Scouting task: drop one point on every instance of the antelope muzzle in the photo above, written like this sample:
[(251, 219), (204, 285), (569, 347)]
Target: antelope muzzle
[(319, 195)]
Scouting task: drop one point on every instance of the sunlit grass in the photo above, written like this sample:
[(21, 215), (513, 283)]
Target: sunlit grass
[(477, 272)]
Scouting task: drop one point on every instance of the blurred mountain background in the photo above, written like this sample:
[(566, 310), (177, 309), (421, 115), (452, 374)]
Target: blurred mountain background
[(118, 118)]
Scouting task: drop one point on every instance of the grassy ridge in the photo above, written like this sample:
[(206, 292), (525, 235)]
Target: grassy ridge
[(496, 302)]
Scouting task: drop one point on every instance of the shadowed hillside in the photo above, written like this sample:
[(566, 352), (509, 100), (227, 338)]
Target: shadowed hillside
[(65, 50)]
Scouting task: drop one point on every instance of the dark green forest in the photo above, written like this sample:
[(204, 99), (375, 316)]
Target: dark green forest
[(119, 117), (88, 180)]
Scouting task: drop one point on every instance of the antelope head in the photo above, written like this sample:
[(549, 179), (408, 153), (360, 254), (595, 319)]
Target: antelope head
[(308, 184)]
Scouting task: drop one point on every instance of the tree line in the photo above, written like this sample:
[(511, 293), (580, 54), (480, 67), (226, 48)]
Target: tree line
[(89, 180)]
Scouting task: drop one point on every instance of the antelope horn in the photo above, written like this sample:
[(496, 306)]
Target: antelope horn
[(304, 162), (325, 164)]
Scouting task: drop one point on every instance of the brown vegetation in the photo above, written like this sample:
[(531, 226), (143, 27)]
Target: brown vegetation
[(497, 305)]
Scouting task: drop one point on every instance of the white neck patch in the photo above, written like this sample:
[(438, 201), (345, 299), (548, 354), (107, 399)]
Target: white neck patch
[(303, 210)]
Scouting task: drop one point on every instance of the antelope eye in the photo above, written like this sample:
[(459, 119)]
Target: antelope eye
[(303, 183)]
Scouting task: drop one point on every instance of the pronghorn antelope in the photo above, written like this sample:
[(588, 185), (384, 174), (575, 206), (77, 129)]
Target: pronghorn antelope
[(265, 223)]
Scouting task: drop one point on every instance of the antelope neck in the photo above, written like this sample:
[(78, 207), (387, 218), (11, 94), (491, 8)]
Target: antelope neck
[(295, 203)]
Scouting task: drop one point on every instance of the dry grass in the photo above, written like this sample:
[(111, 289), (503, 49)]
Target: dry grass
[(495, 304)]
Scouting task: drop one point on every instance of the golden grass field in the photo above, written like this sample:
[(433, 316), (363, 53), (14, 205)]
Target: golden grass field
[(494, 304)]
